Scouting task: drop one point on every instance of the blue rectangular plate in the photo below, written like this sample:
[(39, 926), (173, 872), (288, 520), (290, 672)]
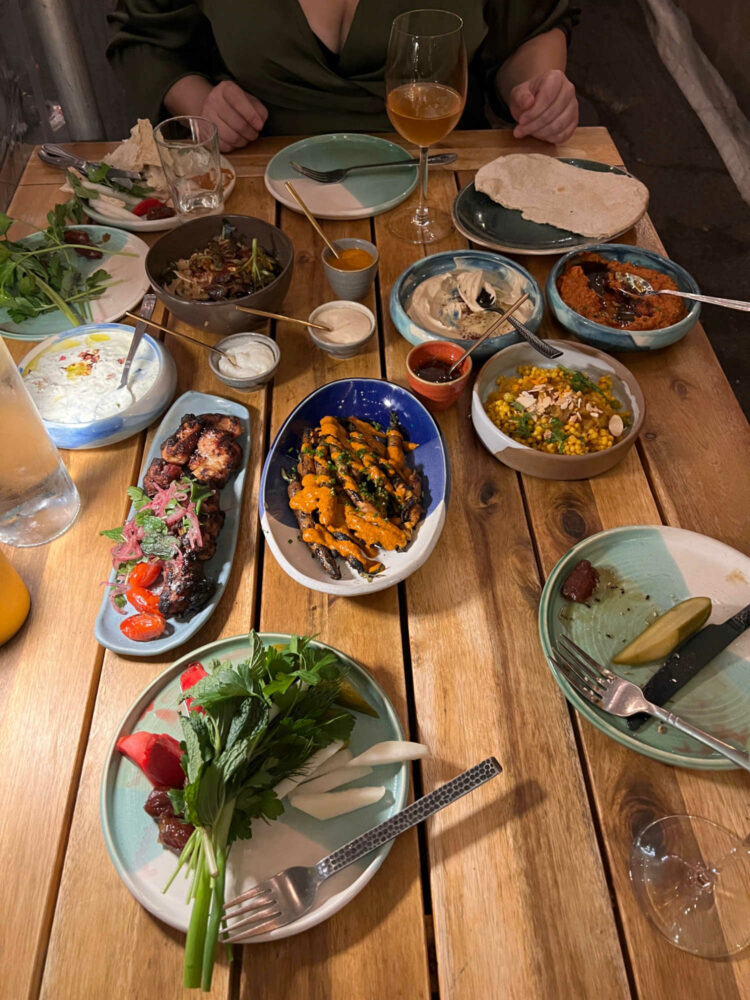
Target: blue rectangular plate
[(107, 627)]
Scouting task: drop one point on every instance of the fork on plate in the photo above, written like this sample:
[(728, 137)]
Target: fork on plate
[(617, 696), (334, 176), (285, 897)]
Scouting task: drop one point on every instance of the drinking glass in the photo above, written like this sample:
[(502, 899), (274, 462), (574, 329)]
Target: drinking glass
[(38, 500), (692, 880), (425, 86), (189, 153)]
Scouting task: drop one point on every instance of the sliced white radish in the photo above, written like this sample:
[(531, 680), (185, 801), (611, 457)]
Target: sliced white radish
[(311, 766), (333, 779), (389, 752), (328, 805), (339, 759)]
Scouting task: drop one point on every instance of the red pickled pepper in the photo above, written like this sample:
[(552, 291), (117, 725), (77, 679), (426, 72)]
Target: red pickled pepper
[(158, 755), (190, 676)]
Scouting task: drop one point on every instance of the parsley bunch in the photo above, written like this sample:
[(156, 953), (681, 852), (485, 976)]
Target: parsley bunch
[(262, 719)]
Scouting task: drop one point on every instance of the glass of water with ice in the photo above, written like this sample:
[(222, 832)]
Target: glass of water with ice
[(38, 500), (189, 151)]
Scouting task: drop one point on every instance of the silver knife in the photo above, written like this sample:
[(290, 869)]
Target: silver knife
[(690, 657), (55, 156), (146, 311)]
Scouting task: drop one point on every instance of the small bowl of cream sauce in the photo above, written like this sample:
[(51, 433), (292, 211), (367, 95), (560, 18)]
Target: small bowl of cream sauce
[(255, 360), (74, 378), (351, 326)]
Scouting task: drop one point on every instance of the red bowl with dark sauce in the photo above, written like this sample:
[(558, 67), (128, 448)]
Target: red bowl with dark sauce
[(427, 370)]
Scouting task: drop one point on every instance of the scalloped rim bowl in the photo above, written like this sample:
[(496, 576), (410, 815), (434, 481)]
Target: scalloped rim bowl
[(108, 430), (542, 464), (438, 263), (608, 337)]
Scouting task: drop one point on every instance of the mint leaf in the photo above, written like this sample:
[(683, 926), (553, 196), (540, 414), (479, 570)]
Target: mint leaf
[(114, 533)]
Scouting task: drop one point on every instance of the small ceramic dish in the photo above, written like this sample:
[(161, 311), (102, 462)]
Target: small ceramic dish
[(338, 349), (245, 381), (132, 413), (353, 285), (437, 395), (545, 465), (607, 337), (503, 271)]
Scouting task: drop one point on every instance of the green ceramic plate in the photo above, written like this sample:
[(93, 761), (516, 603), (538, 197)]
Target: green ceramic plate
[(358, 196), (128, 285), (644, 571), (483, 221), (294, 839)]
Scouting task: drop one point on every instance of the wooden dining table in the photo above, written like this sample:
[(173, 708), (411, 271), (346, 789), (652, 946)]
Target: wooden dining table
[(520, 890)]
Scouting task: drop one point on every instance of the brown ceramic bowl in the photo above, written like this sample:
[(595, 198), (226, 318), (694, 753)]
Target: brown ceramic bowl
[(220, 317), (437, 395), (542, 464)]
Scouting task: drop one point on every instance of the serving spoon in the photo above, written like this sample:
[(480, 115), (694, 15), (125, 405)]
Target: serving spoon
[(175, 333), (492, 327), (635, 285), (486, 299)]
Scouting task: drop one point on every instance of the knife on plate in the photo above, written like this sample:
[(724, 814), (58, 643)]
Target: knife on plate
[(690, 657), (146, 311), (55, 156)]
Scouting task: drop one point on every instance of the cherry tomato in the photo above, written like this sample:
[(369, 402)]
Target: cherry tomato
[(141, 628), (143, 574), (142, 599)]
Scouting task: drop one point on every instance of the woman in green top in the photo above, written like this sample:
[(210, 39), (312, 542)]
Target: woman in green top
[(314, 66)]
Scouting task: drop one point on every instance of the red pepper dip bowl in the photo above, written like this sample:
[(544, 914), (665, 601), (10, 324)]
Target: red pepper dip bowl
[(433, 358)]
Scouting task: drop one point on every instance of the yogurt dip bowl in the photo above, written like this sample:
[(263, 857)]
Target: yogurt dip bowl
[(257, 357), (353, 324), (73, 378)]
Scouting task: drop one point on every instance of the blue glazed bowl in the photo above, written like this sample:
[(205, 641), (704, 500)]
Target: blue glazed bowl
[(108, 430), (607, 337), (439, 263), (368, 399)]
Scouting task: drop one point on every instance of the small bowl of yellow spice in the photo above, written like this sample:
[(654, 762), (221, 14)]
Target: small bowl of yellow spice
[(352, 273), (572, 418)]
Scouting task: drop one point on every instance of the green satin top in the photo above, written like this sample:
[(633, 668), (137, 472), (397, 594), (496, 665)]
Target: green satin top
[(273, 54)]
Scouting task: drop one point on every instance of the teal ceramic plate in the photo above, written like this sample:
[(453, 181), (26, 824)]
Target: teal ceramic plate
[(483, 221), (128, 285), (644, 571), (294, 839), (358, 196)]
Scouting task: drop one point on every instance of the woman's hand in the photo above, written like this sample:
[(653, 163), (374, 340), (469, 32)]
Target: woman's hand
[(238, 115), (545, 107)]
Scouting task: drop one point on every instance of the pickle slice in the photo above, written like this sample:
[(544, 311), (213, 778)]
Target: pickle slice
[(667, 632)]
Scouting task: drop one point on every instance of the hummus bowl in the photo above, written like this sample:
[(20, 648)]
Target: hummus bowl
[(73, 377), (423, 308)]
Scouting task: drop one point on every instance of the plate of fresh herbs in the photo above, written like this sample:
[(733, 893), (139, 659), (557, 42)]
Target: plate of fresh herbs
[(268, 703), (67, 275)]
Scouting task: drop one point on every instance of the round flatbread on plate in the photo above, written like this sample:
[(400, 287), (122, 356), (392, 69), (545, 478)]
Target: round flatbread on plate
[(643, 571), (134, 224), (578, 197), (293, 839), (127, 277), (361, 194)]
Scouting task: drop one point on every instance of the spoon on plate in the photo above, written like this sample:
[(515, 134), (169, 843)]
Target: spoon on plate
[(633, 284), (503, 316)]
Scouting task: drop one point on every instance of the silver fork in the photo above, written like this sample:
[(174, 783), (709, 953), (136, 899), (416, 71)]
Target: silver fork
[(617, 696), (334, 176), (289, 895)]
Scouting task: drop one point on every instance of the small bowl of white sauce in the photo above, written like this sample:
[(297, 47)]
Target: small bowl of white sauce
[(74, 377), (351, 326), (256, 358)]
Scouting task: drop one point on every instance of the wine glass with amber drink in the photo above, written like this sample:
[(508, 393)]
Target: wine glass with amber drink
[(425, 85)]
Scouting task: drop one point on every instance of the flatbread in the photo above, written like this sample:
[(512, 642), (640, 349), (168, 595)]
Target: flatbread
[(592, 203)]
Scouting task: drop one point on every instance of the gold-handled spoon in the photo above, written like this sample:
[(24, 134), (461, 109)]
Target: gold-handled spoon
[(231, 358), (311, 218), (501, 319), (286, 319)]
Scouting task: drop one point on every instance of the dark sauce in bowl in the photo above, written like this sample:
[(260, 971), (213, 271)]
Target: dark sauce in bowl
[(436, 370)]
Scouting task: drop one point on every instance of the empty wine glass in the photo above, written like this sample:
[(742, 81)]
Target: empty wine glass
[(425, 85), (692, 880)]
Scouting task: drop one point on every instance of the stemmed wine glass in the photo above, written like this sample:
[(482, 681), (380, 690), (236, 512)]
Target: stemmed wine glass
[(425, 85), (692, 879)]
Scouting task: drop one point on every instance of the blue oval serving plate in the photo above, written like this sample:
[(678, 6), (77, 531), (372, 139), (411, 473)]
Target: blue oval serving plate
[(107, 626), (607, 337), (439, 263), (368, 399), (294, 839)]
